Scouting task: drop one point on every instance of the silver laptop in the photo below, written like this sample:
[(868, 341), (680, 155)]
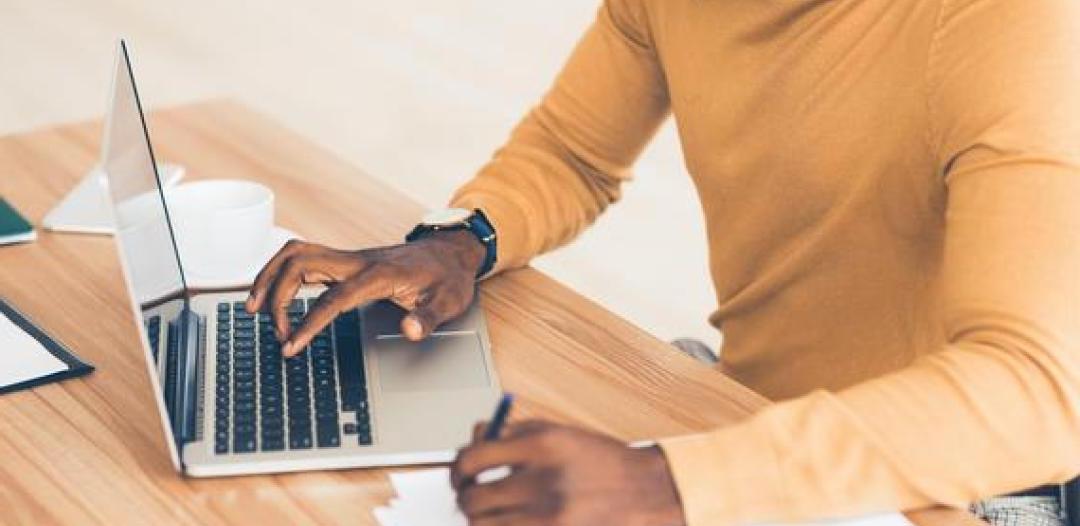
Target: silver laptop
[(230, 404)]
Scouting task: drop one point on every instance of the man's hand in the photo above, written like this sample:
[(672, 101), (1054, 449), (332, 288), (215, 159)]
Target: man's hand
[(565, 476), (433, 278)]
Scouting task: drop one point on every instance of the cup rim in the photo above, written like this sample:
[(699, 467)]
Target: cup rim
[(261, 194)]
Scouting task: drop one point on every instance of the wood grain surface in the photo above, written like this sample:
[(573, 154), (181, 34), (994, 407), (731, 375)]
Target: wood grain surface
[(91, 450)]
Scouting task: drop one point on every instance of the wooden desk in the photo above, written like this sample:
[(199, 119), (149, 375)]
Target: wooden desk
[(91, 450)]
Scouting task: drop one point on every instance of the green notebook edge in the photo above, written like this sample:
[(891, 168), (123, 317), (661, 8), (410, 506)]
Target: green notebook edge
[(14, 228)]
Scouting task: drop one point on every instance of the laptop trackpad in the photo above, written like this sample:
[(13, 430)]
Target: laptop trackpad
[(441, 362)]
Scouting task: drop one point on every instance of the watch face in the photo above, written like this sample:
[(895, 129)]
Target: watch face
[(447, 216)]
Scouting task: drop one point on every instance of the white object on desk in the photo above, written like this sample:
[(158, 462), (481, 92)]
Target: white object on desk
[(85, 209), (23, 358), (425, 498), (224, 230)]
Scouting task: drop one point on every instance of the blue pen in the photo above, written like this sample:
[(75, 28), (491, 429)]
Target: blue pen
[(494, 427)]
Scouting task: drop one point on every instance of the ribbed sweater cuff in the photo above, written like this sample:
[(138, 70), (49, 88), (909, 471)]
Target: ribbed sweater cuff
[(729, 476)]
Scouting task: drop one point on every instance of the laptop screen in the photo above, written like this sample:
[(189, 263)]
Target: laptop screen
[(147, 245), (143, 224)]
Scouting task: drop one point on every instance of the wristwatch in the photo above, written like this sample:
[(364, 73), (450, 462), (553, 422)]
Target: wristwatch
[(450, 219)]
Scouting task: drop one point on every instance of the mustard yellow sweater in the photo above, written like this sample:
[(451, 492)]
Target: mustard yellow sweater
[(892, 195)]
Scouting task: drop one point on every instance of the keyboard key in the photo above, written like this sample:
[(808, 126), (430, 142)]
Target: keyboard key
[(295, 307), (273, 444), (244, 429), (273, 423), (300, 442), (271, 433), (244, 444), (326, 408), (329, 439), (299, 409)]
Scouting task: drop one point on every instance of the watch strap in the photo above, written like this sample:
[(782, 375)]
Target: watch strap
[(480, 227)]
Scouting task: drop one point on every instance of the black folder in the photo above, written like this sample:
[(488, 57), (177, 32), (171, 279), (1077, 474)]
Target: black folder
[(75, 366)]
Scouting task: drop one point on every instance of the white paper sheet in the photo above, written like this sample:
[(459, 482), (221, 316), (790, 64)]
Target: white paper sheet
[(22, 358), (425, 498), (884, 519)]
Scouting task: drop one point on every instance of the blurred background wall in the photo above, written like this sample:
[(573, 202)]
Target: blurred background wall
[(416, 92)]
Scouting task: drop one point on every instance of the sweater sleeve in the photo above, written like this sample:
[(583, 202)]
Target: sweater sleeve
[(997, 408), (566, 160)]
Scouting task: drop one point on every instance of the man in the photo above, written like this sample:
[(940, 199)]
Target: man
[(891, 190)]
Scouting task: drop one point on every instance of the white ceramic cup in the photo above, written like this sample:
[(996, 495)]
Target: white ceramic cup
[(221, 223), (222, 226)]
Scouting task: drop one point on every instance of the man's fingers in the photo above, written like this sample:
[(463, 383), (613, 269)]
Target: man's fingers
[(514, 493), (441, 305), (365, 288), (284, 289), (525, 428), (326, 308), (510, 430), (257, 296), (478, 431), (482, 456)]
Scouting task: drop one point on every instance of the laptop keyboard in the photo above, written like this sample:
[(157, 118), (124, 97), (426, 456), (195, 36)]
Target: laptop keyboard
[(266, 402)]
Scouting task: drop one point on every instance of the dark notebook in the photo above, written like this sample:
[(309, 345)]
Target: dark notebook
[(14, 228), (29, 357)]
